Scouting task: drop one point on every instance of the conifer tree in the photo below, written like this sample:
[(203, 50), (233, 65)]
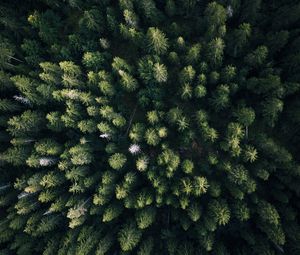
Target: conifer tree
[(149, 127)]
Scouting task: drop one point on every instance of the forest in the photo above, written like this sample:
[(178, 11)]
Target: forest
[(149, 127)]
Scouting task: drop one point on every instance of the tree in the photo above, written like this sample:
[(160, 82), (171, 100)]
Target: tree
[(48, 147), (268, 213), (238, 38), (257, 57), (200, 185), (94, 60), (145, 217), (219, 212), (170, 160), (104, 244), (228, 73), (271, 109), (129, 236), (130, 18), (48, 24), (170, 8), (136, 132), (156, 41), (200, 91), (215, 17), (187, 166), (152, 137), (92, 20), (128, 82), (33, 51), (194, 211), (215, 51), (16, 155), (117, 161), (241, 211), (8, 106), (151, 13), (193, 54), (187, 74), (124, 127), (245, 116), (29, 122), (28, 87), (51, 73), (220, 98), (87, 126), (54, 121), (7, 51), (71, 74), (250, 154), (146, 246), (81, 154), (142, 163), (160, 73), (111, 212)]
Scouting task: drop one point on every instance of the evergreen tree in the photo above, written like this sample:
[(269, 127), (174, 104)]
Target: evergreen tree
[(157, 41), (129, 236), (149, 127)]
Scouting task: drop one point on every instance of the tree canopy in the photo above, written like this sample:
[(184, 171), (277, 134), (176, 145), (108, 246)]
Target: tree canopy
[(149, 127)]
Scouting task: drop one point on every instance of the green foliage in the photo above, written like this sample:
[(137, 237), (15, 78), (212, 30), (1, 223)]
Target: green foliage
[(92, 20), (160, 73), (28, 123), (71, 74), (48, 147), (28, 87), (157, 41), (215, 51), (129, 236), (149, 127), (80, 154), (257, 57), (145, 217), (245, 116), (117, 160), (219, 211), (136, 133), (187, 166), (268, 213), (112, 212), (127, 81), (93, 60), (220, 98), (215, 17), (152, 137), (170, 160)]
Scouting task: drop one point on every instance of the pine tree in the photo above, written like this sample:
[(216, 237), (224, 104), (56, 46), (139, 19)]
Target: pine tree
[(157, 41), (117, 161), (215, 17), (129, 236), (145, 217), (215, 51), (92, 20), (149, 127), (93, 60), (71, 74)]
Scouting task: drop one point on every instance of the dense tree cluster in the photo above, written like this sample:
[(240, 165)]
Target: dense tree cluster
[(149, 127)]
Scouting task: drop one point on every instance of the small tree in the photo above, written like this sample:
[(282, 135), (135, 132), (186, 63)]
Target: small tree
[(157, 41), (117, 161), (129, 236)]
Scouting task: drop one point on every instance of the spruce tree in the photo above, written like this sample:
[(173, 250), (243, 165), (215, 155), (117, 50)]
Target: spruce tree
[(149, 127)]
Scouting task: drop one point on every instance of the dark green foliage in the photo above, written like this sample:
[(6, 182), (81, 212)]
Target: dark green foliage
[(149, 127), (129, 236)]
